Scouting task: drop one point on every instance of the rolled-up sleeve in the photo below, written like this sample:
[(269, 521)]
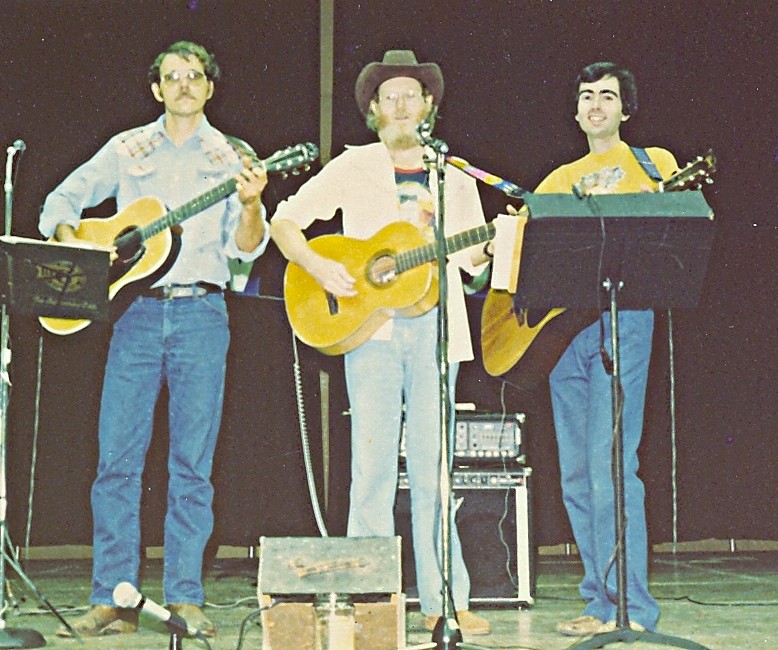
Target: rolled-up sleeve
[(88, 185)]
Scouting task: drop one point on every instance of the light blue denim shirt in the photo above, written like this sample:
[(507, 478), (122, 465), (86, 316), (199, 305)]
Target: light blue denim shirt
[(145, 162)]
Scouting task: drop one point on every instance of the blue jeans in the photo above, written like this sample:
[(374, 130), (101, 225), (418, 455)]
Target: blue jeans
[(182, 342), (583, 419), (381, 376)]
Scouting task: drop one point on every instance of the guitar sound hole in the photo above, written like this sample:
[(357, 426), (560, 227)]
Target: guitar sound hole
[(382, 270), (129, 245)]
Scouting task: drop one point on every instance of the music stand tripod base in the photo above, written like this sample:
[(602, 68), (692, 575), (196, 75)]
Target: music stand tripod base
[(628, 635)]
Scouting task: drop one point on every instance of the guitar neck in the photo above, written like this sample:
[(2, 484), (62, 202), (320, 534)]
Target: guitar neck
[(282, 161), (462, 240), (189, 209)]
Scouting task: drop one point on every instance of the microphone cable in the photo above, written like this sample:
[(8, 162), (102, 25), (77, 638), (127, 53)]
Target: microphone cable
[(306, 448)]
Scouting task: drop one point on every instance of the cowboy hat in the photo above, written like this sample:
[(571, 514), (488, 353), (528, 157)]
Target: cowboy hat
[(397, 63)]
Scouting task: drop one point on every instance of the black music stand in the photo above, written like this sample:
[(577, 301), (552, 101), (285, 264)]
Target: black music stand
[(52, 279), (40, 279), (647, 250)]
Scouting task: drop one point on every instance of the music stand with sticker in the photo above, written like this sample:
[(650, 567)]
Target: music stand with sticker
[(52, 279), (41, 279)]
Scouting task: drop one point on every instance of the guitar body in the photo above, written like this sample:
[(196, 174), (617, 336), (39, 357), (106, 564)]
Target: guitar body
[(337, 325), (504, 339), (154, 254), (528, 347)]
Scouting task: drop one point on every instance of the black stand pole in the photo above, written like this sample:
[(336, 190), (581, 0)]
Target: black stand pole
[(9, 638), (623, 631), (446, 635)]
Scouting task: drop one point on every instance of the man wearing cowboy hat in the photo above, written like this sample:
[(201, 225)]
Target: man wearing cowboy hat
[(396, 369)]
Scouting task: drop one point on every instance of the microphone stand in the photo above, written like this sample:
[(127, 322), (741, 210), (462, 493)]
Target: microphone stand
[(11, 637), (446, 635)]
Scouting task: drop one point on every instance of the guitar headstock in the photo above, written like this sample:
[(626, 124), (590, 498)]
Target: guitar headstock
[(292, 159), (697, 173)]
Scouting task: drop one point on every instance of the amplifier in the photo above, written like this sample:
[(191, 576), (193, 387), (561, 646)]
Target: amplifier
[(489, 437), (495, 528), (485, 438)]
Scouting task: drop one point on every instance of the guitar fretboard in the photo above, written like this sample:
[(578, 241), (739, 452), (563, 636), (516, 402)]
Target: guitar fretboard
[(188, 209), (424, 254)]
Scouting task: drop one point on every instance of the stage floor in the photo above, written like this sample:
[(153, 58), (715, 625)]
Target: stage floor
[(719, 601)]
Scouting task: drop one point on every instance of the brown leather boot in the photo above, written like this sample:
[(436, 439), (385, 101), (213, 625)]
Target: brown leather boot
[(469, 623), (194, 617), (101, 620)]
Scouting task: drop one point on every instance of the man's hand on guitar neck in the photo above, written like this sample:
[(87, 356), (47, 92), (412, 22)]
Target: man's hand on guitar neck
[(66, 234), (249, 183)]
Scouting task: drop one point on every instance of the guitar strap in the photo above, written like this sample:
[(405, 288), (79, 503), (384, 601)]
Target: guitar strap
[(646, 163)]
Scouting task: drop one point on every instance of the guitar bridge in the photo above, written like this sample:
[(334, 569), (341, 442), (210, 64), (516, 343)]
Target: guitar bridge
[(332, 304)]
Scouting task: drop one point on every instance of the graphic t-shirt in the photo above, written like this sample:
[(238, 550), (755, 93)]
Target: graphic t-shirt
[(616, 171), (415, 200)]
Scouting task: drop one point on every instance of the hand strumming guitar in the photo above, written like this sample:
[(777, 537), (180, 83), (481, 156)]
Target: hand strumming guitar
[(332, 276)]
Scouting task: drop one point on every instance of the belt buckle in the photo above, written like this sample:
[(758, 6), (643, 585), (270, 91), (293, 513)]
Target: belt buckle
[(172, 291)]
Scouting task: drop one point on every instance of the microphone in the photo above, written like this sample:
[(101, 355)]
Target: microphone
[(18, 145), (127, 596), (424, 131), (424, 135)]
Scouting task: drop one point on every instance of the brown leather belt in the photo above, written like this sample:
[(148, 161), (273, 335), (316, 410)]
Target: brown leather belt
[(171, 291)]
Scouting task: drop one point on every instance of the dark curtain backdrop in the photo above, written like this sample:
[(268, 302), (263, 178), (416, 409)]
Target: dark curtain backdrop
[(74, 73)]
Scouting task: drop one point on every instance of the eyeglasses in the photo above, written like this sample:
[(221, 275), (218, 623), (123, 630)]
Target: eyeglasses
[(410, 97), (192, 76)]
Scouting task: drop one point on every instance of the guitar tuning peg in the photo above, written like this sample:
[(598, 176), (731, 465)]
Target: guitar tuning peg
[(284, 175), (295, 172)]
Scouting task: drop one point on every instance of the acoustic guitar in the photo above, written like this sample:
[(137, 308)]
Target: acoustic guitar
[(396, 276), (530, 344), (147, 242)]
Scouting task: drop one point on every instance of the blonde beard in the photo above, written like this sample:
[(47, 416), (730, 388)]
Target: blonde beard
[(396, 138)]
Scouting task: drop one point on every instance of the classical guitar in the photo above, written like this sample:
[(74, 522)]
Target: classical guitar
[(395, 276), (146, 240), (536, 341)]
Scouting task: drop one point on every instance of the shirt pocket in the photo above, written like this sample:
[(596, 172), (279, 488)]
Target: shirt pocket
[(210, 176), (143, 177)]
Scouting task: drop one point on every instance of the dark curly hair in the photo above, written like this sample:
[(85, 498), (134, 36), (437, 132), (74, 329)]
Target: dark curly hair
[(628, 87), (186, 50)]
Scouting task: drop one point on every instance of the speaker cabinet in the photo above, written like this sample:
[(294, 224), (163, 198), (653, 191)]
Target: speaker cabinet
[(495, 529)]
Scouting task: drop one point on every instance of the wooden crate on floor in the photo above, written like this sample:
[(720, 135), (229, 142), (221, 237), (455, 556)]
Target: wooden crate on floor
[(367, 570), (378, 625)]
